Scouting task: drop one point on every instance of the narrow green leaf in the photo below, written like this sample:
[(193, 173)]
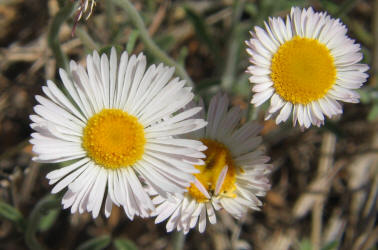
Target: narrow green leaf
[(48, 220), (373, 114), (202, 31), (305, 244), (107, 49), (182, 56), (207, 83), (124, 244), (364, 95), (47, 203), (132, 41), (96, 243), (166, 42), (251, 9), (10, 213), (333, 245)]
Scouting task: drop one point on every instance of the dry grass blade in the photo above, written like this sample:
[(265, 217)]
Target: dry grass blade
[(319, 187)]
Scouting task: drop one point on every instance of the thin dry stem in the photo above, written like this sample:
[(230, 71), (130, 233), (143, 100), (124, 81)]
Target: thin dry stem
[(324, 166)]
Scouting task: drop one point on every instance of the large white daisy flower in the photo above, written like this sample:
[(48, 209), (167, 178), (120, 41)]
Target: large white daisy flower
[(233, 176), (115, 124), (304, 66)]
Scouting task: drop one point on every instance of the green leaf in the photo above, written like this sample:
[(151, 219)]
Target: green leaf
[(132, 40), (107, 49), (305, 244), (365, 96), (182, 56), (207, 83), (333, 245), (373, 114), (46, 221), (124, 244), (10, 213), (49, 202), (202, 31), (251, 9), (98, 243), (165, 42)]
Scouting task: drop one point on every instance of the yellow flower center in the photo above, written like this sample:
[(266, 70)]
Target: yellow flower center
[(302, 70), (114, 139), (217, 157)]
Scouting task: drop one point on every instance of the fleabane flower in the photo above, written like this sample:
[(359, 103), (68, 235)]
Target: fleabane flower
[(304, 66), (233, 177), (85, 6), (115, 125)]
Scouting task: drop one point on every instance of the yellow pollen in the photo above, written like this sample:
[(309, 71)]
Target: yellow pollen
[(302, 70), (114, 139), (217, 156)]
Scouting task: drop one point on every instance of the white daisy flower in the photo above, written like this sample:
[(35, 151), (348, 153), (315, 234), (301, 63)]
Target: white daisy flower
[(114, 125), (304, 66), (233, 176)]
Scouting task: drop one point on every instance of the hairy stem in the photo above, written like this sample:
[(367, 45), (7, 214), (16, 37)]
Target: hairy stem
[(53, 35), (137, 20)]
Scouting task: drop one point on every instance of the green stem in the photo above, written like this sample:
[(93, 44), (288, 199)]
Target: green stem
[(109, 13), (233, 48), (178, 240), (252, 112), (86, 39), (136, 19), (374, 69), (46, 203), (53, 35)]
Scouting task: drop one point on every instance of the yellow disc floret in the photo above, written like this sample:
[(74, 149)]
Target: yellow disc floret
[(302, 70), (217, 157), (114, 139)]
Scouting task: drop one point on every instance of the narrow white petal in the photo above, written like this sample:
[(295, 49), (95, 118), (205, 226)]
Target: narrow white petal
[(221, 179), (201, 188), (202, 220)]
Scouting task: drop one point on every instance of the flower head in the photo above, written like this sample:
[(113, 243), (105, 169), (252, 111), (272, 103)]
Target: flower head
[(233, 175), (116, 125), (304, 66), (85, 6)]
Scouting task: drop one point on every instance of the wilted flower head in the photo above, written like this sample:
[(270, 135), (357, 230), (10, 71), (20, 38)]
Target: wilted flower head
[(232, 177), (85, 6)]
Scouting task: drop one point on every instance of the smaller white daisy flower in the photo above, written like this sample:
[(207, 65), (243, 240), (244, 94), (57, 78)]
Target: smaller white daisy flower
[(116, 124), (304, 66), (233, 176)]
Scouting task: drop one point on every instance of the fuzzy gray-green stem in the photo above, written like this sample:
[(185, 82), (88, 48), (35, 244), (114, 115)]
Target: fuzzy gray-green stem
[(178, 240), (233, 48), (137, 20), (53, 35)]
